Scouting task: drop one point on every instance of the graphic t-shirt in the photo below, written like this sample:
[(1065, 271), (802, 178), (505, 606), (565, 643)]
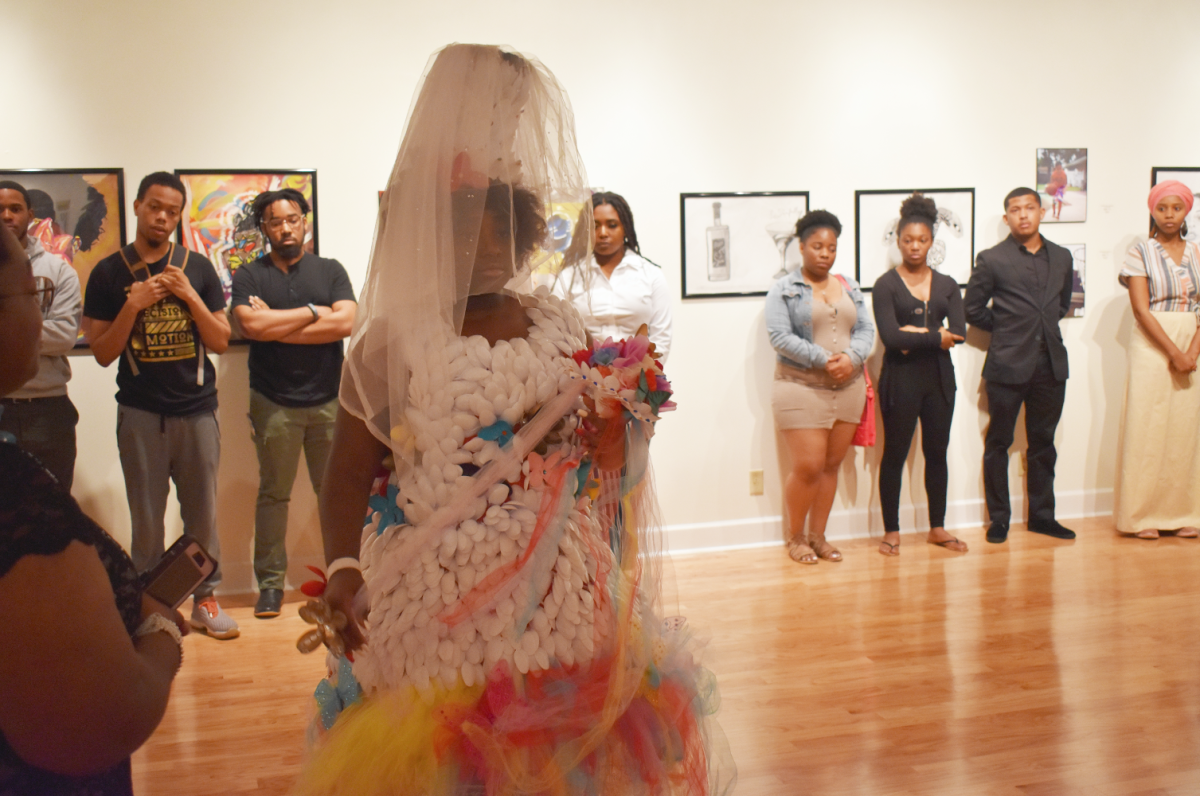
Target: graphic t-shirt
[(162, 369)]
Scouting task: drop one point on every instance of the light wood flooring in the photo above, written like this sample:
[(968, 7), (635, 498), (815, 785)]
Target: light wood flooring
[(1029, 668)]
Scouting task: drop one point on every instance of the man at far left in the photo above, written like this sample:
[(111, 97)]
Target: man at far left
[(40, 414), (160, 309)]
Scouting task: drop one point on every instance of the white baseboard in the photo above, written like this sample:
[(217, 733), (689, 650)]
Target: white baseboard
[(855, 523)]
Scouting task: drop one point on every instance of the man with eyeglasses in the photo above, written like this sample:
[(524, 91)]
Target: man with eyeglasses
[(296, 308), (40, 414)]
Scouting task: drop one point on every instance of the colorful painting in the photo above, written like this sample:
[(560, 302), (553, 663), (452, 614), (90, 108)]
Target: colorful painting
[(217, 221), (79, 214)]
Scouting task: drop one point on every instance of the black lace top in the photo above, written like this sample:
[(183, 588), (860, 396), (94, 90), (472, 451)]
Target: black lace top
[(39, 517)]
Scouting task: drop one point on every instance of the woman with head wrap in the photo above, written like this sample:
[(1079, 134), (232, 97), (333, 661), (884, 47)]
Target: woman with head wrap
[(500, 633), (1160, 433), (911, 303)]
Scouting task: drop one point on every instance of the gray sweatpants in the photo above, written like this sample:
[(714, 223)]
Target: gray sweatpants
[(156, 449)]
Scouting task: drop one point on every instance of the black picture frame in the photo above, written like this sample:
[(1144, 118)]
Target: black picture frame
[(876, 213), (90, 203), (748, 218)]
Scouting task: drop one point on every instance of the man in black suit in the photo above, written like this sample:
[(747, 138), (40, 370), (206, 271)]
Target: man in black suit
[(1028, 281)]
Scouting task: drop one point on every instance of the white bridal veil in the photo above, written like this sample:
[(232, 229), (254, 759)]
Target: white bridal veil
[(484, 119)]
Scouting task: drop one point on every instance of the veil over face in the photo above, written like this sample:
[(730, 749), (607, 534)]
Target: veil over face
[(488, 150)]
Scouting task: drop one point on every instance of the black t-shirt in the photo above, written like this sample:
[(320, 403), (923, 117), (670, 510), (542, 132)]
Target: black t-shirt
[(39, 517), (162, 369), (293, 374)]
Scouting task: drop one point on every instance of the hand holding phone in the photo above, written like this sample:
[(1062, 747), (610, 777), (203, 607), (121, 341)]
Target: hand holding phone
[(184, 566)]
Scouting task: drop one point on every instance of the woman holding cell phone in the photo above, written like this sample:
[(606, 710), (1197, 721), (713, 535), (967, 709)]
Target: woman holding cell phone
[(87, 667)]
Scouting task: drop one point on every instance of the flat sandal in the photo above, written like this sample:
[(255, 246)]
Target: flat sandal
[(825, 551), (800, 552)]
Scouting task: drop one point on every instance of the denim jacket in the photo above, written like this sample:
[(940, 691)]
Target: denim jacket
[(789, 324)]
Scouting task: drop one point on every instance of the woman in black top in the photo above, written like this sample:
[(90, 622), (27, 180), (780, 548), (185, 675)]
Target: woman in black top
[(87, 662), (917, 382)]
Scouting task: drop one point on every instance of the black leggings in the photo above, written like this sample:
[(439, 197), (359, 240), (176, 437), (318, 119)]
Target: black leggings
[(914, 391)]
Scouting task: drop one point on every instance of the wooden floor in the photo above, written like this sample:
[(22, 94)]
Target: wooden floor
[(1033, 667)]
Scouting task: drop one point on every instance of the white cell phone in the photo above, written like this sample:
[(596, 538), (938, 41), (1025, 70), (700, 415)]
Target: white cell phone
[(184, 566)]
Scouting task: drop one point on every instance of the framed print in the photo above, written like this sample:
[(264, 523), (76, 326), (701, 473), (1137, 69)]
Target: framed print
[(79, 214), (1189, 176), (1062, 183), (1079, 255), (217, 221), (738, 244), (877, 214)]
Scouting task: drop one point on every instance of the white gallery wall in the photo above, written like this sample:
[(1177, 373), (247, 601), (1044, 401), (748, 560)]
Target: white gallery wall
[(669, 97)]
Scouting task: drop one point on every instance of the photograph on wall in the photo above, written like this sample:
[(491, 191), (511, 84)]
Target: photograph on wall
[(217, 220), (1079, 255), (877, 216), (1189, 176), (738, 244), (78, 214), (1062, 183)]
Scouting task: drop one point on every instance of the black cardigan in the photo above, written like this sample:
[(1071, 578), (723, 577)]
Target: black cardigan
[(895, 306)]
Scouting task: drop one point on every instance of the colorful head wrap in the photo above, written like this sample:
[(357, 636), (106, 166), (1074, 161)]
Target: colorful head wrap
[(1171, 188)]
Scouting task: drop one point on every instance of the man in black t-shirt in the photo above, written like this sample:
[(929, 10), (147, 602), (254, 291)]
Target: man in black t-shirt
[(296, 308), (159, 308)]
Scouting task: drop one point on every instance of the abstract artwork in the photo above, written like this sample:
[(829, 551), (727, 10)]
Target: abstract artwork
[(217, 221), (79, 214)]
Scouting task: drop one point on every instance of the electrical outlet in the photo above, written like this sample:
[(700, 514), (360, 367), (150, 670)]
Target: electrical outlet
[(756, 482)]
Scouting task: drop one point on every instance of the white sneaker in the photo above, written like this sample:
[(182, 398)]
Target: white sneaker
[(208, 617)]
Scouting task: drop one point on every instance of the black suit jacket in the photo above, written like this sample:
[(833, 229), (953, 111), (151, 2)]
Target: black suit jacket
[(1018, 319)]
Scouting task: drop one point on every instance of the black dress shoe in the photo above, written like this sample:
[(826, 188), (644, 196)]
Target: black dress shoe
[(1052, 528), (997, 532), (269, 602)]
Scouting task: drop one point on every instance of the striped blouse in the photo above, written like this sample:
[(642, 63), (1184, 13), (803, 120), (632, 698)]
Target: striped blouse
[(1173, 288)]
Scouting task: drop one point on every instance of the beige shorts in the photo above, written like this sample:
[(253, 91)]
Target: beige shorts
[(800, 400)]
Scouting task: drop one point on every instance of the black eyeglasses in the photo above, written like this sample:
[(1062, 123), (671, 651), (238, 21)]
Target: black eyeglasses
[(43, 289)]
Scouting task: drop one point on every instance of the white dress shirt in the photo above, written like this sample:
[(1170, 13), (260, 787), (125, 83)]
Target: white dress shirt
[(616, 306)]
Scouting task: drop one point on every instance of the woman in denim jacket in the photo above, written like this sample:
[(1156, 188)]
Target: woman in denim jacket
[(822, 333)]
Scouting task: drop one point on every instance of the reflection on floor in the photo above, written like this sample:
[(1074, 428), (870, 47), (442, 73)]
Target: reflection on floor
[(1033, 667)]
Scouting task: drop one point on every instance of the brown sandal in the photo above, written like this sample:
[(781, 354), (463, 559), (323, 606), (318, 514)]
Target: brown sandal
[(825, 551), (800, 552), (892, 549), (947, 542)]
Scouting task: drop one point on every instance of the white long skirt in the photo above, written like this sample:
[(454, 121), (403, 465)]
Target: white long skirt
[(1158, 473)]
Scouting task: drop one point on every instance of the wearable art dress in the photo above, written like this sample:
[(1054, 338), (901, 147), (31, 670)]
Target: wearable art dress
[(517, 648)]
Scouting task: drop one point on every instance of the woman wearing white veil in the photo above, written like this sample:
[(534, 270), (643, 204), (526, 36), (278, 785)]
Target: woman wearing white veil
[(503, 634)]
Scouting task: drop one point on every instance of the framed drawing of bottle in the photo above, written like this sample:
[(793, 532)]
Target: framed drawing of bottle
[(738, 243)]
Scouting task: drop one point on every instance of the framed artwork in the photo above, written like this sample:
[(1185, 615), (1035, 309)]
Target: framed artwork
[(216, 216), (1079, 255), (738, 244), (1189, 176), (877, 215), (1062, 183), (79, 214)]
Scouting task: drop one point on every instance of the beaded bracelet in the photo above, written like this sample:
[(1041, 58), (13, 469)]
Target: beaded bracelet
[(155, 623)]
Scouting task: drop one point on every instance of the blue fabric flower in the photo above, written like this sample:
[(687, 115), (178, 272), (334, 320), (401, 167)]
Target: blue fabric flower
[(499, 432), (391, 514), (333, 699)]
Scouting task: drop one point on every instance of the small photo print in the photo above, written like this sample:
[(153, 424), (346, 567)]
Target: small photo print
[(1079, 275), (1062, 183)]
